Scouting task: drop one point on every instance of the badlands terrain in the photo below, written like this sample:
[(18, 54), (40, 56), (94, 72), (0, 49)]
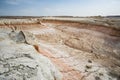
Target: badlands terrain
[(59, 48)]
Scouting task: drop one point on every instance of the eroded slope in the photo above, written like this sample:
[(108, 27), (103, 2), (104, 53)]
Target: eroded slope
[(80, 50)]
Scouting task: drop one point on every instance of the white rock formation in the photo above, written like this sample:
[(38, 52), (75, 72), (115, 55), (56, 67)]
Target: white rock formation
[(20, 61)]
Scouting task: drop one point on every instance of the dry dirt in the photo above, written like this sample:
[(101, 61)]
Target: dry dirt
[(80, 51)]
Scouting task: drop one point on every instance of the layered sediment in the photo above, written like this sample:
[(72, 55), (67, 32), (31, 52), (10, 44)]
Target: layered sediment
[(82, 49)]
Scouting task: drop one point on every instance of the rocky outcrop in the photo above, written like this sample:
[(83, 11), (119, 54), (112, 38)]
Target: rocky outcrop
[(19, 21), (81, 50), (20, 61)]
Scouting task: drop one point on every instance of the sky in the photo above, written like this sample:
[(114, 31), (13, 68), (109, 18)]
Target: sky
[(59, 7)]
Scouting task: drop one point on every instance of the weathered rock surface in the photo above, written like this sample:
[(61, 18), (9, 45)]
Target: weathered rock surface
[(82, 50), (20, 61)]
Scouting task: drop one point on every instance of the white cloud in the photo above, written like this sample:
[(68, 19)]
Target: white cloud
[(94, 7), (16, 2), (12, 2)]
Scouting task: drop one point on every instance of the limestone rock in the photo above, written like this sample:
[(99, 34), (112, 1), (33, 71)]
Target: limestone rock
[(20, 61)]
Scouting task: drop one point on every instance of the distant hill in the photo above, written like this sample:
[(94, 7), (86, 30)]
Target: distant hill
[(117, 16), (20, 17)]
